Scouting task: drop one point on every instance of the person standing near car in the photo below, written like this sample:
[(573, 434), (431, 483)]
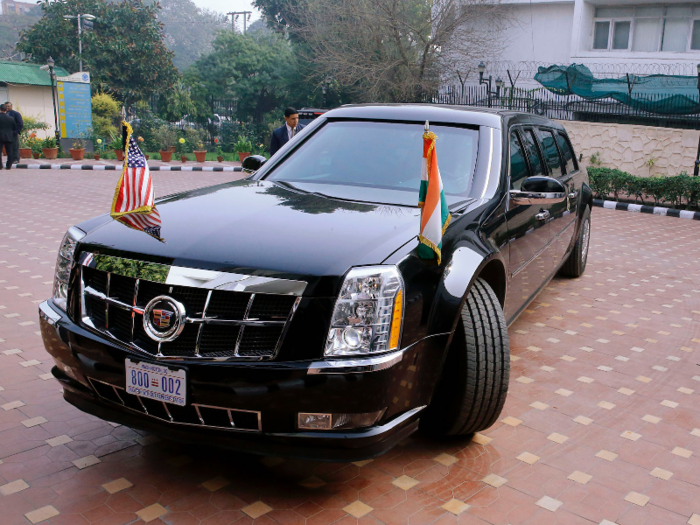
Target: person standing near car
[(7, 135), (284, 133), (19, 124)]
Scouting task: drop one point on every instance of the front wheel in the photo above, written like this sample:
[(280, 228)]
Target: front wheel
[(474, 383), (575, 265)]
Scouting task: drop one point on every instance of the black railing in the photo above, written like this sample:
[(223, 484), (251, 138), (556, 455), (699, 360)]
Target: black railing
[(570, 107)]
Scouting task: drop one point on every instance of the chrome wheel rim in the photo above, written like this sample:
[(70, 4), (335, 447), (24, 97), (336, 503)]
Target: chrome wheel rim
[(584, 240)]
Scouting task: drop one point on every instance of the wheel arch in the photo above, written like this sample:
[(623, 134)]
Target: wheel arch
[(466, 265)]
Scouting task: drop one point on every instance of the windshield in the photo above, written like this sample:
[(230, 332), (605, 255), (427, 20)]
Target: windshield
[(381, 155)]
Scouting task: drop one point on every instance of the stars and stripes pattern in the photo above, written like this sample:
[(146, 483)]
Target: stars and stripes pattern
[(145, 222), (134, 192), (435, 215), (133, 203)]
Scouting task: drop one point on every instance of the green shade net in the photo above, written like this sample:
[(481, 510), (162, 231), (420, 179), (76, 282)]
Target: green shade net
[(662, 94)]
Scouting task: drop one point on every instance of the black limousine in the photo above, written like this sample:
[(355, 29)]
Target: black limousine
[(288, 313)]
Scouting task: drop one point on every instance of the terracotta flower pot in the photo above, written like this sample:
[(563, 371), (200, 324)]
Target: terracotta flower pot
[(36, 155), (183, 158), (201, 156), (243, 154), (77, 154), (166, 156), (97, 156), (220, 159), (25, 153), (120, 154), (148, 157), (50, 153)]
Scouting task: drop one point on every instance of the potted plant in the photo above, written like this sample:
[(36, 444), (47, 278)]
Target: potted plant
[(200, 153), (77, 152), (118, 146), (165, 137), (49, 148), (181, 148), (36, 145), (98, 148), (25, 145), (219, 154), (243, 147)]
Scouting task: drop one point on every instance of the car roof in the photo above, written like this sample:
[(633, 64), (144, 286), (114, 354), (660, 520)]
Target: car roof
[(491, 117)]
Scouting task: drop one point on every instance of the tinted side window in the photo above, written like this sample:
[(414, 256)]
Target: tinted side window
[(532, 153), (518, 165), (567, 153), (550, 152)]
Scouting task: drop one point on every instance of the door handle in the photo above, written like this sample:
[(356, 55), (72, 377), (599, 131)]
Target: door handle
[(542, 216), (573, 194)]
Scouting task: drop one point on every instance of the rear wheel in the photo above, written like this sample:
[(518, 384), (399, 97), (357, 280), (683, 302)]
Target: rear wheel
[(575, 265), (474, 383)]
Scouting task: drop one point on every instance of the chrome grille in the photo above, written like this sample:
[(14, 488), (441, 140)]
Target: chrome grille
[(220, 324), (193, 414)]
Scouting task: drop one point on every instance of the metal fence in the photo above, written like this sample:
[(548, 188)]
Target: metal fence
[(566, 107)]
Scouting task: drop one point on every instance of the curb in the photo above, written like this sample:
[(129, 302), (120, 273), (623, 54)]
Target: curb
[(653, 210), (110, 167)]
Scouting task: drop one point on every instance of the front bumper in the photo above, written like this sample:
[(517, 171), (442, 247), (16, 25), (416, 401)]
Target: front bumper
[(401, 383)]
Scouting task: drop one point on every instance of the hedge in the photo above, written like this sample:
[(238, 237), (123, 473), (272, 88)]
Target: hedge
[(681, 191)]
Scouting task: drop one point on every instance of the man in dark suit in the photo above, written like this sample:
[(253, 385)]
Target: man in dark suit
[(7, 135), (19, 124), (283, 134)]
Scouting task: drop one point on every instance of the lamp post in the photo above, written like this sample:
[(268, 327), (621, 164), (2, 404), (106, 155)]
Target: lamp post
[(52, 76), (80, 17), (697, 157), (488, 83)]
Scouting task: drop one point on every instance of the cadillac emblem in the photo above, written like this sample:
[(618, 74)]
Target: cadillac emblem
[(163, 318)]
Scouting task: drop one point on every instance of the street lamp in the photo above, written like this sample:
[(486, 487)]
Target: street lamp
[(49, 65), (489, 83), (80, 17)]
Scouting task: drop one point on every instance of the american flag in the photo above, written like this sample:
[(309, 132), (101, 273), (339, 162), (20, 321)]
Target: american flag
[(145, 222), (134, 192)]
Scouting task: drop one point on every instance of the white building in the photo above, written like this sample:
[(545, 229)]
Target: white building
[(612, 37)]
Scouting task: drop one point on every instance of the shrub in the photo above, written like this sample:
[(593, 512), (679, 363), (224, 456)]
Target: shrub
[(105, 110), (680, 190)]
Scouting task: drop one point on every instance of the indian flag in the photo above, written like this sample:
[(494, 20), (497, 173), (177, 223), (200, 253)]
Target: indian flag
[(435, 216)]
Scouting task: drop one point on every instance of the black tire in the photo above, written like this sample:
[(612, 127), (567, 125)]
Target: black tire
[(575, 265), (474, 382)]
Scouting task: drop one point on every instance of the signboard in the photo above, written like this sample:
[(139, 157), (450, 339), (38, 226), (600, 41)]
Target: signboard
[(82, 77), (74, 109)]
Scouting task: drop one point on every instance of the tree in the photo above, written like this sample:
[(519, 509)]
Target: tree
[(125, 53), (387, 50), (189, 30), (253, 69)]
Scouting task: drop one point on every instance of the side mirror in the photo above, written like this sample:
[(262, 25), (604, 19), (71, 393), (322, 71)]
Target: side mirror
[(253, 163), (539, 190)]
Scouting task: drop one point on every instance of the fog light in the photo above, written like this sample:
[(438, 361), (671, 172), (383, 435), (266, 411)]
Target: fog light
[(314, 421)]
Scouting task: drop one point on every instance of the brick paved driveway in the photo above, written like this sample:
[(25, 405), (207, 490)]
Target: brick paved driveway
[(602, 422)]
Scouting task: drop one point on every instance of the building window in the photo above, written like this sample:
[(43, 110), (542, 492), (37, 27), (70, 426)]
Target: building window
[(647, 29)]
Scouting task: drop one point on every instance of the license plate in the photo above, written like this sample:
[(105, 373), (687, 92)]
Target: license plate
[(157, 382)]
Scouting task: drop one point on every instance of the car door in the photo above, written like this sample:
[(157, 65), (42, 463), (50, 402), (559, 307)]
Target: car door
[(529, 234), (573, 180), (562, 221)]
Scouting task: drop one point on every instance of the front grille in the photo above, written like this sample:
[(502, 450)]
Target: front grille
[(220, 324), (193, 414)]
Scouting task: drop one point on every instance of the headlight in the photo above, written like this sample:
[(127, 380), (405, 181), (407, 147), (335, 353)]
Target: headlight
[(64, 263), (368, 313)]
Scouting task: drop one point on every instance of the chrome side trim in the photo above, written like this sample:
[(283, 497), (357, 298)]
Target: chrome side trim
[(192, 277), (48, 314), (355, 366)]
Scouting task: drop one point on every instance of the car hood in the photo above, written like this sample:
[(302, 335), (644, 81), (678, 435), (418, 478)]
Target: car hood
[(265, 228)]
